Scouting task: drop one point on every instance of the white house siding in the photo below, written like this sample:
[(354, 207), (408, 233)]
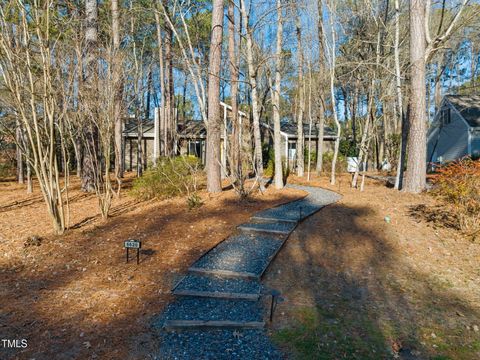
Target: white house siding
[(448, 142)]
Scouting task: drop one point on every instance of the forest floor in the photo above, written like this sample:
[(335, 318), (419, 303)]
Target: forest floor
[(368, 278), (74, 297), (365, 278)]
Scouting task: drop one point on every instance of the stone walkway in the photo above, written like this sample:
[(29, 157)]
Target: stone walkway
[(221, 306)]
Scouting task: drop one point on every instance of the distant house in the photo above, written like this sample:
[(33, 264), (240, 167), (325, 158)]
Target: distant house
[(455, 130), (288, 132), (191, 135)]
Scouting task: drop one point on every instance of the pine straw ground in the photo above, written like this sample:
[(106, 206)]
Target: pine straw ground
[(355, 286), (359, 286), (73, 296)]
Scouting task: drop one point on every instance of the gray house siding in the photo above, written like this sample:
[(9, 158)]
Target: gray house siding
[(475, 143), (447, 142)]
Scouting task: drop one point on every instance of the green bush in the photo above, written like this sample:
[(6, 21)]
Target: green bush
[(313, 156), (6, 170), (269, 162), (348, 148), (341, 162), (170, 177)]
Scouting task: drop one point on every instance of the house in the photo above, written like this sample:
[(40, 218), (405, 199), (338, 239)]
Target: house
[(191, 135), (455, 130), (288, 132), (189, 139)]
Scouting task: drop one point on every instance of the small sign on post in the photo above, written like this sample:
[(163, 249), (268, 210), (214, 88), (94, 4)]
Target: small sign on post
[(133, 244)]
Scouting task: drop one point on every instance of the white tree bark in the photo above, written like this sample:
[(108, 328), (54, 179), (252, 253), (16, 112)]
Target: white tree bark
[(252, 75), (277, 139)]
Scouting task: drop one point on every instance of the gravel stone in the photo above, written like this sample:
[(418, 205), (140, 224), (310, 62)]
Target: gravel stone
[(241, 253), (217, 345), (204, 309), (194, 282), (300, 209)]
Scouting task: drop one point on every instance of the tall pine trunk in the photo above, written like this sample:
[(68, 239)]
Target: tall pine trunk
[(91, 151), (415, 179), (118, 87), (213, 126)]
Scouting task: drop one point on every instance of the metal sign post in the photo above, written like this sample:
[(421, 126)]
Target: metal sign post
[(133, 244)]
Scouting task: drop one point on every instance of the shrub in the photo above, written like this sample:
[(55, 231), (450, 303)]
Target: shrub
[(348, 148), (327, 162), (458, 185), (6, 170), (170, 177), (194, 201)]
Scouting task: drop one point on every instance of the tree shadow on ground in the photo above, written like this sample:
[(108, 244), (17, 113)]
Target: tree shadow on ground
[(355, 295), (74, 297)]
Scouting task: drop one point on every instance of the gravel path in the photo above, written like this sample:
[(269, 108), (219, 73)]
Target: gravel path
[(217, 284), (217, 345), (246, 252), (300, 209), (210, 309)]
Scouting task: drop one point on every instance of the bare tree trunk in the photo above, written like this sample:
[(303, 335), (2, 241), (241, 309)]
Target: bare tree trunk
[(90, 132), (321, 93), (398, 90), (252, 73), (301, 101), (214, 183), (415, 180), (310, 119), (276, 100), (160, 137), (118, 85), (139, 142), (332, 91), (235, 147), (168, 78), (19, 136)]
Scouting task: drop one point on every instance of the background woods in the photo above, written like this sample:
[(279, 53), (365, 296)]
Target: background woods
[(98, 88)]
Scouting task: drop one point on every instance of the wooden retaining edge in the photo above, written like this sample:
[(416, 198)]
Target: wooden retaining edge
[(220, 295), (195, 324), (268, 231), (273, 256), (262, 218), (246, 275)]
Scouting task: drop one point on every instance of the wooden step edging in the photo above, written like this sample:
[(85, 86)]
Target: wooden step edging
[(267, 231), (228, 273), (196, 324), (219, 295), (272, 219)]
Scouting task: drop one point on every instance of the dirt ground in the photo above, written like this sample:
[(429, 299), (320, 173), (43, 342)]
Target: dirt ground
[(364, 279), (74, 297)]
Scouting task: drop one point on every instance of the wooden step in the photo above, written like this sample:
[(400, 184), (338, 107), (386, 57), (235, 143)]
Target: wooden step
[(270, 226), (217, 294), (198, 324), (218, 272), (202, 285)]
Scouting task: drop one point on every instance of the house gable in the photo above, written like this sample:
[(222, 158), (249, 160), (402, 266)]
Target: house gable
[(448, 140)]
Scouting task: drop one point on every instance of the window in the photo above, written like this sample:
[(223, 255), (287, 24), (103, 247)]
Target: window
[(445, 117)]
